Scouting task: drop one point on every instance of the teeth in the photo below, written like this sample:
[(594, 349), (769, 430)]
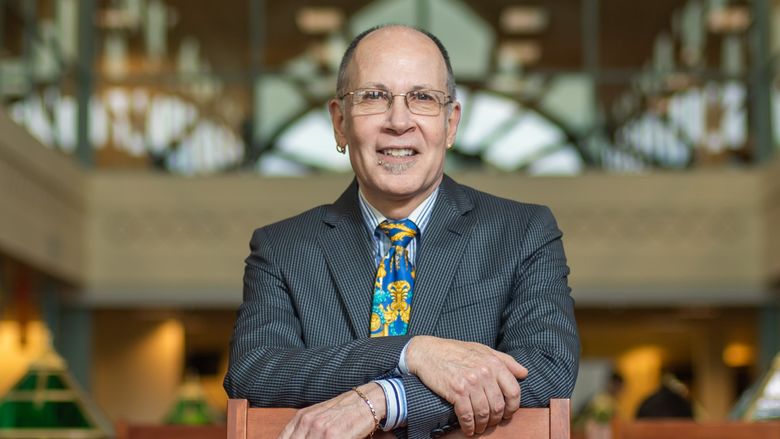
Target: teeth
[(398, 152)]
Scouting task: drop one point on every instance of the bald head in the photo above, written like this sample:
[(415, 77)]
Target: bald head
[(386, 31)]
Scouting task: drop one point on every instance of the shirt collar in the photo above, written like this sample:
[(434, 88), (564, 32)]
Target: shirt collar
[(373, 217)]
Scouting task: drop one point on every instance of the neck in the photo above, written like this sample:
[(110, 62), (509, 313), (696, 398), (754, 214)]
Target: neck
[(398, 208), (395, 210)]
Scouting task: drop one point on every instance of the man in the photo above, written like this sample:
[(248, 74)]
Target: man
[(328, 321)]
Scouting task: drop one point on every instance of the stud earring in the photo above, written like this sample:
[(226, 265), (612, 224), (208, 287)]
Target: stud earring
[(341, 149)]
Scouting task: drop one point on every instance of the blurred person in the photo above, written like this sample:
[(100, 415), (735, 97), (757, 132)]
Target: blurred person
[(328, 321), (669, 401)]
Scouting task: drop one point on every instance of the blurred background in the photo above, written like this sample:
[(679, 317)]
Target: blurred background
[(141, 142)]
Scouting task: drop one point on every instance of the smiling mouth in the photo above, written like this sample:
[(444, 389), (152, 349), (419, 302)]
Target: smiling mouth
[(397, 160), (398, 152)]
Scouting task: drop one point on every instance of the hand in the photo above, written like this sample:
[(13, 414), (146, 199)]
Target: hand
[(345, 416), (480, 382)]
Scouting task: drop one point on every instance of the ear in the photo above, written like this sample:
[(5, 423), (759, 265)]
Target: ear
[(453, 119), (337, 119)]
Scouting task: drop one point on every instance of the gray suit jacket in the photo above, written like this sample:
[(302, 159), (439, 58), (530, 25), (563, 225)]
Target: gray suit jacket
[(489, 270)]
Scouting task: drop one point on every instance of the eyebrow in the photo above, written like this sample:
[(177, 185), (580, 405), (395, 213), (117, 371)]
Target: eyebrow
[(380, 86)]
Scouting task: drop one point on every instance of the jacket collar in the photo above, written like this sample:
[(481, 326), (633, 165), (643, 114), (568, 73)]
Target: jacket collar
[(348, 252)]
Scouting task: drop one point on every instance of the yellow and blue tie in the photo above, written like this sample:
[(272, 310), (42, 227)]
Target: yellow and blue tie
[(394, 284)]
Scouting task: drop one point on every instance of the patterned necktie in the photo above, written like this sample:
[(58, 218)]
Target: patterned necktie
[(394, 282)]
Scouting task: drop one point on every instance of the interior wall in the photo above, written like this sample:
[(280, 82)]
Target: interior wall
[(772, 220), (138, 362), (697, 236), (141, 358), (43, 204)]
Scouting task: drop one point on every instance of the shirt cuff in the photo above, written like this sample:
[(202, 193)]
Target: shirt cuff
[(395, 400), (402, 369)]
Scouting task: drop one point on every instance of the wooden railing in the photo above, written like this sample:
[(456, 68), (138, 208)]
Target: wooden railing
[(685, 429)]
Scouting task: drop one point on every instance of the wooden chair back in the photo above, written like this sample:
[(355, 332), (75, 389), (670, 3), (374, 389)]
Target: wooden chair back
[(143, 431), (553, 422)]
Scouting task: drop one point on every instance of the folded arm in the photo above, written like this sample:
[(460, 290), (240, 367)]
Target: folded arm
[(538, 332)]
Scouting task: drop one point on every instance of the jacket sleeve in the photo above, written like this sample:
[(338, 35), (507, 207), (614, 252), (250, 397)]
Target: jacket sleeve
[(270, 363), (540, 331)]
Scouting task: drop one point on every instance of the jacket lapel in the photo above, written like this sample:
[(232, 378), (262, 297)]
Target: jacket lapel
[(441, 249), (349, 256)]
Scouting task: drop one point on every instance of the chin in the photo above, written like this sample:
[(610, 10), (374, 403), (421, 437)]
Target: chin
[(405, 185)]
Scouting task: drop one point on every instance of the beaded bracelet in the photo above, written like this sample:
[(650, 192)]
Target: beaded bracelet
[(370, 407)]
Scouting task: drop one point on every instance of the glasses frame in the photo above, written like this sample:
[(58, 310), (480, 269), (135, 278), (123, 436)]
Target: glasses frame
[(406, 99)]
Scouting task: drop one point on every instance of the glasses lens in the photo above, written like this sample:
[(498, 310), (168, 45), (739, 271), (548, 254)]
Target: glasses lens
[(425, 102), (370, 101)]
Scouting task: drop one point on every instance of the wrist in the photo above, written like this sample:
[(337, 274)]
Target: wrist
[(413, 348), (376, 395), (371, 405)]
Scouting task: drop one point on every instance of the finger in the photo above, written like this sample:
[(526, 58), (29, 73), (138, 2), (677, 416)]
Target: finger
[(481, 408), (465, 414), (517, 369), (496, 401), (510, 390)]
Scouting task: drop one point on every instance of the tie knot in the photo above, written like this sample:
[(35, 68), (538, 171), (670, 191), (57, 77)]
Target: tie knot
[(400, 232)]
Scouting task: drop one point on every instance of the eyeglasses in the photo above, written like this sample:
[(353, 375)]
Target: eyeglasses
[(367, 101)]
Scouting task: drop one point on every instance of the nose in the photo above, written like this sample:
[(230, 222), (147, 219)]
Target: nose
[(399, 118)]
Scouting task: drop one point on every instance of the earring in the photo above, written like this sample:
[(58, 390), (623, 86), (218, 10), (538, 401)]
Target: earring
[(449, 146), (341, 149)]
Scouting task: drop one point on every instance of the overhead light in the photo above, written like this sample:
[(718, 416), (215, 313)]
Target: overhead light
[(738, 355), (524, 19), (319, 20), (526, 52), (730, 19), (117, 19)]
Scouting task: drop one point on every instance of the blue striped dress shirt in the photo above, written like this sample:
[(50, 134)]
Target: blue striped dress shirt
[(395, 395)]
